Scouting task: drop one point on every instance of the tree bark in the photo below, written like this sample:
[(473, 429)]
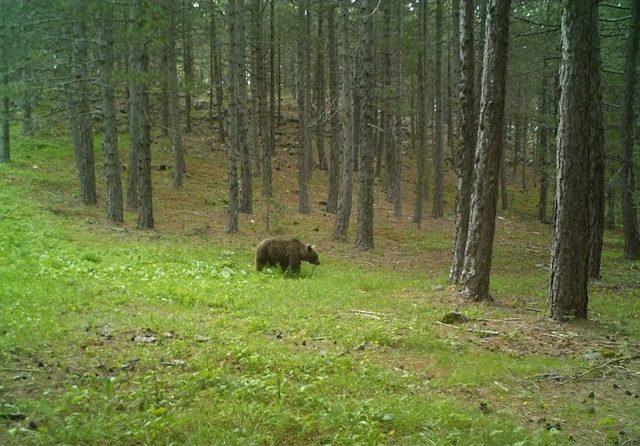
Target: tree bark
[(111, 152), (140, 114), (466, 139), (627, 120), (87, 168), (570, 248), (174, 104), (423, 120), (5, 142), (235, 71), (346, 115), (270, 147), (319, 90), (479, 248), (334, 156), (543, 147), (438, 153), (364, 223), (482, 6), (396, 168), (216, 73), (187, 48), (304, 159), (596, 145), (246, 187)]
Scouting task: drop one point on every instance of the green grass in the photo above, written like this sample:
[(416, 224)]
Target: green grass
[(241, 357)]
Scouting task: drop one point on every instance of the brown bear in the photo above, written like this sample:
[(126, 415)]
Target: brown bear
[(286, 253)]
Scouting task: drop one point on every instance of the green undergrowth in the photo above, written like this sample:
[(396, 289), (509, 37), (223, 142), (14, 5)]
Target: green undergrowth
[(116, 337)]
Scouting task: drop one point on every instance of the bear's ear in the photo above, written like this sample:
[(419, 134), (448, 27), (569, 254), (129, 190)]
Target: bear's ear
[(309, 248)]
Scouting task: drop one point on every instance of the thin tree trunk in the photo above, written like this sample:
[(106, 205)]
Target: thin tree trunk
[(111, 152), (174, 104), (81, 55), (26, 122), (319, 90), (543, 147), (504, 193), (455, 81), (596, 146), (387, 128), (134, 138), (140, 115), (364, 223), (570, 248), (396, 186), (279, 81), (187, 62), (438, 152), (246, 187), (423, 120), (304, 169), (235, 70), (5, 142), (479, 249), (334, 157), (216, 76), (270, 148), (611, 204), (466, 139), (627, 122), (525, 131), (346, 115), (163, 96)]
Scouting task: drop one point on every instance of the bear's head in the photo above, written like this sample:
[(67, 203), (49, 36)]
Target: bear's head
[(310, 255)]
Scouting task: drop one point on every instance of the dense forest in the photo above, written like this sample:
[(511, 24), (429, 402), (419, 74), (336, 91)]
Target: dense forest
[(406, 138)]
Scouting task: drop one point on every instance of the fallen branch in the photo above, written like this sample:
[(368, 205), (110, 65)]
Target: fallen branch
[(537, 310), (599, 367), (371, 314), (472, 330), (508, 319)]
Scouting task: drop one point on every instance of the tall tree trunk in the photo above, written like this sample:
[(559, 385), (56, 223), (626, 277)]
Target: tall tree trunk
[(270, 147), (279, 82), (466, 139), (364, 224), (423, 120), (319, 90), (334, 156), (262, 87), (479, 249), (455, 80), (504, 193), (525, 131), (543, 147), (111, 152), (596, 147), (570, 248), (438, 152), (235, 71), (246, 187), (627, 119), (140, 114), (304, 165), (5, 142), (611, 203), (387, 129), (216, 73), (187, 48), (25, 101), (396, 185), (346, 116), (87, 168), (163, 96), (134, 139), (174, 104)]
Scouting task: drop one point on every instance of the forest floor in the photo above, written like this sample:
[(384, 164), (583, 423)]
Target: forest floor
[(110, 335)]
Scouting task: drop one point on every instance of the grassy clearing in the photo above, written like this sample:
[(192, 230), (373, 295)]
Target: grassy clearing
[(170, 337)]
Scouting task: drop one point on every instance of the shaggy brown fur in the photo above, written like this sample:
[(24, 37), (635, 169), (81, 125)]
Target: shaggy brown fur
[(286, 253)]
